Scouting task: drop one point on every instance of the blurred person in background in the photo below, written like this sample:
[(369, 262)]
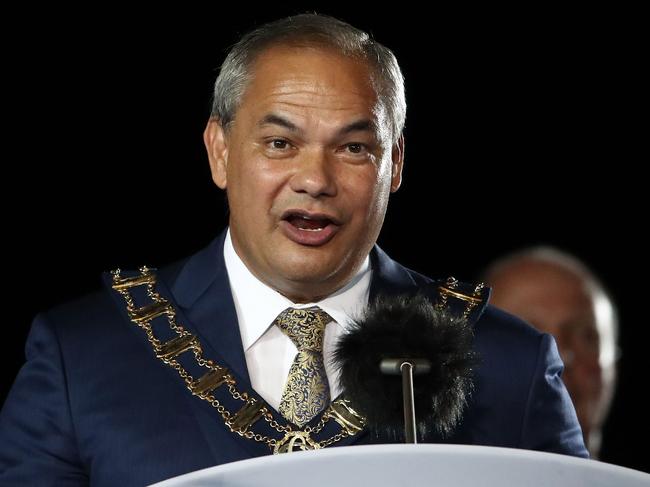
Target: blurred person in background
[(558, 294)]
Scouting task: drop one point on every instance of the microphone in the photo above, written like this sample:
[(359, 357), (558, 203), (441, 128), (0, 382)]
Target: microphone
[(408, 328)]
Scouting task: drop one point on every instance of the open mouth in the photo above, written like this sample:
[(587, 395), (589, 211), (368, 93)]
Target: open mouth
[(309, 228), (309, 224)]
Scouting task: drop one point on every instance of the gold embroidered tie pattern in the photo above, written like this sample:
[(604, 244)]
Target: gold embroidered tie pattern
[(306, 392)]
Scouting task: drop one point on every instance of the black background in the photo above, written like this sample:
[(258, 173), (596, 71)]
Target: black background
[(522, 128)]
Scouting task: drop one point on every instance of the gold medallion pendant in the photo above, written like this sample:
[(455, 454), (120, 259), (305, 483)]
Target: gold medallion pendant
[(295, 441)]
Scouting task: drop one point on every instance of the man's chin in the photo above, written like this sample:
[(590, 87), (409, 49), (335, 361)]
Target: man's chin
[(308, 280), (309, 277)]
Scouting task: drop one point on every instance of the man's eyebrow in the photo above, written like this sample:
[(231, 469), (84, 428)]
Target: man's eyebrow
[(359, 126), (274, 119), (364, 125)]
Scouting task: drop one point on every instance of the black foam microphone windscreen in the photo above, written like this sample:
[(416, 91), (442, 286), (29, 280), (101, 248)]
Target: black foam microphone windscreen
[(407, 327)]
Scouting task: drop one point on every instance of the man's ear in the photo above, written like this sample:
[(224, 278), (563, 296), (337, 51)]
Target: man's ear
[(398, 162), (216, 144)]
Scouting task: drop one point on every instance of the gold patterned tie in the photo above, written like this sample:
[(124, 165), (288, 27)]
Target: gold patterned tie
[(307, 391)]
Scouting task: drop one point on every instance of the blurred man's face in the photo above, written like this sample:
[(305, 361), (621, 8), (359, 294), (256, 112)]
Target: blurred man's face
[(308, 167)]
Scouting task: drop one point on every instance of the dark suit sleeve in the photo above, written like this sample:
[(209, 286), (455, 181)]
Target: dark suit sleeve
[(550, 422), (37, 441)]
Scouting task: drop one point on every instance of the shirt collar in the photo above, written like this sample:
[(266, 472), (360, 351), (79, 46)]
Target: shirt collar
[(257, 304)]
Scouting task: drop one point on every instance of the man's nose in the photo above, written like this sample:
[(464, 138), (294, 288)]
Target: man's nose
[(315, 174)]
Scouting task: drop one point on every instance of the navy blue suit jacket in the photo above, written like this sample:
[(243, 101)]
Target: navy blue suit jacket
[(92, 405)]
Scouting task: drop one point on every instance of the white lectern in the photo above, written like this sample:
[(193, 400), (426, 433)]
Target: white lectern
[(414, 465)]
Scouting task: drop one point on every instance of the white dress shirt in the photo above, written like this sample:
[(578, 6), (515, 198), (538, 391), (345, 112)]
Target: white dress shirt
[(269, 352)]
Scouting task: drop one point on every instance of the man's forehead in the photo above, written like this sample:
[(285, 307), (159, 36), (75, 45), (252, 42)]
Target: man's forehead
[(296, 86), (284, 68)]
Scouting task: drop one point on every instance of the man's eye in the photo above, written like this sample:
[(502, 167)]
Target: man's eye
[(279, 144), (355, 148), (276, 148)]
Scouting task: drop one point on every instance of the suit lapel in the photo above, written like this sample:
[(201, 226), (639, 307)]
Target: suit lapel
[(202, 291), (388, 277)]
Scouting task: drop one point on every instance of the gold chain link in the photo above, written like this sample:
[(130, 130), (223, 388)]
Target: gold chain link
[(197, 351)]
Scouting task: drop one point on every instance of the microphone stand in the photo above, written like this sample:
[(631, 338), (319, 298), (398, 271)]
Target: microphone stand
[(407, 367)]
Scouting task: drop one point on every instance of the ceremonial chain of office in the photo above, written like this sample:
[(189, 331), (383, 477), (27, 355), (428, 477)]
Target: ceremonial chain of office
[(216, 376)]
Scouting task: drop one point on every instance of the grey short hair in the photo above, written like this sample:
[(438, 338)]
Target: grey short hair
[(313, 30)]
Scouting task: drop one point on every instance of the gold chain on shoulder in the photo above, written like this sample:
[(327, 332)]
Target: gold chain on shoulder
[(216, 376), (450, 290)]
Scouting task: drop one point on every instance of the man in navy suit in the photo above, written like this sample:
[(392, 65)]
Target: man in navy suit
[(166, 372)]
